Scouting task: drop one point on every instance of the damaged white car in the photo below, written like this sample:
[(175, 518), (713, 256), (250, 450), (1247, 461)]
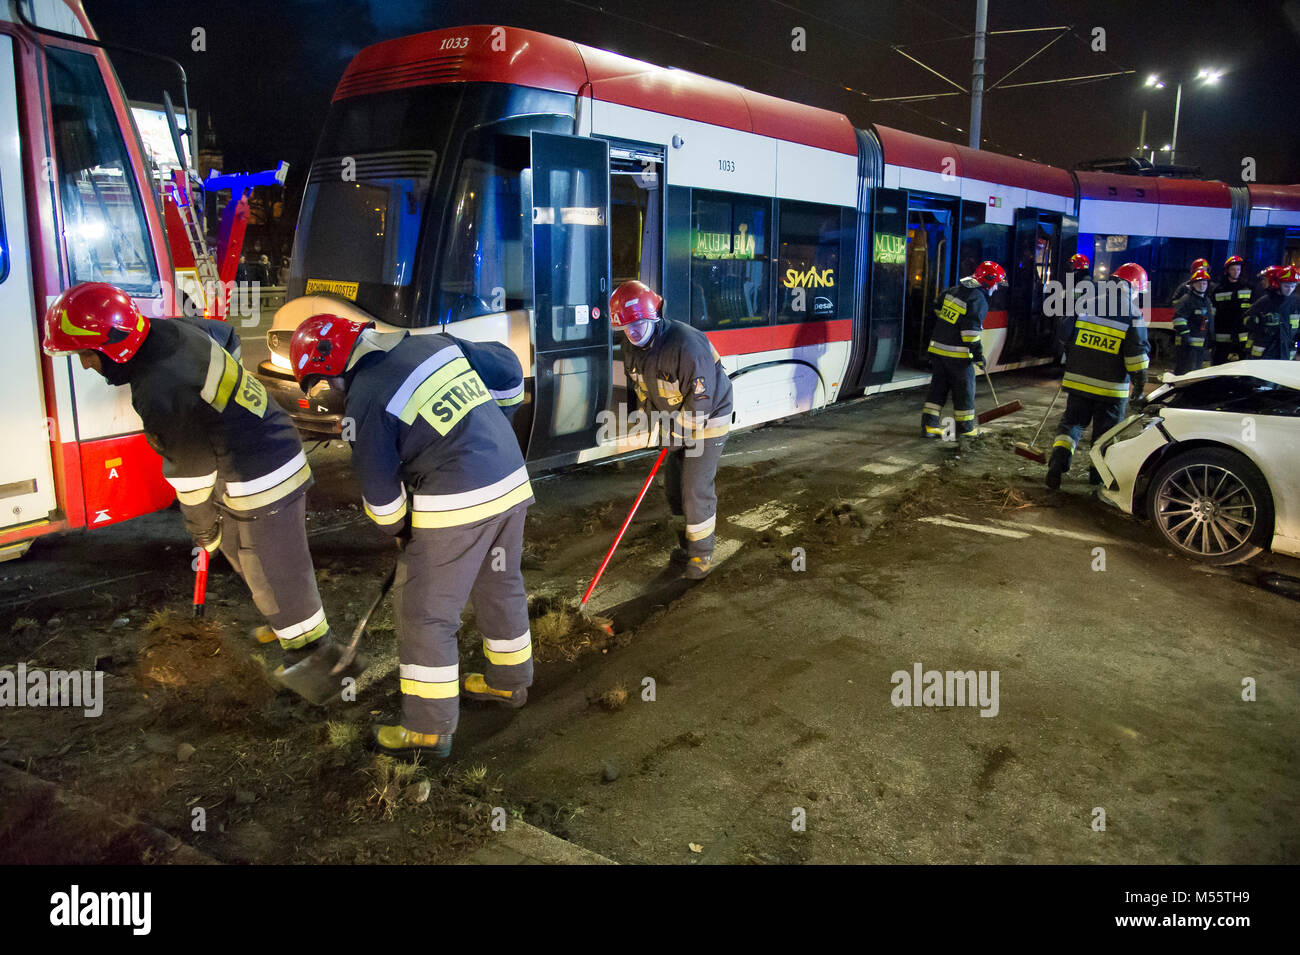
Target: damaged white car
[(1212, 460)]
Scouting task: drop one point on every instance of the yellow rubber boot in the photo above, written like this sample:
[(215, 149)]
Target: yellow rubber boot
[(399, 742), (476, 687)]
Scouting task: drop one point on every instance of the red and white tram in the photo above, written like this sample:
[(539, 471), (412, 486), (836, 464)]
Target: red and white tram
[(497, 183), (76, 205)]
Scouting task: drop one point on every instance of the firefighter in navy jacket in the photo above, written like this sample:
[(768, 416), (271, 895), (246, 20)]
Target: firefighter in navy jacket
[(440, 469), (1105, 359), (676, 371), (233, 457), (1231, 302), (1193, 323), (1273, 323), (957, 349)]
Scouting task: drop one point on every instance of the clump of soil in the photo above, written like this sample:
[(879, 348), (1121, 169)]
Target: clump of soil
[(842, 513), (184, 661), (559, 631), (614, 698)]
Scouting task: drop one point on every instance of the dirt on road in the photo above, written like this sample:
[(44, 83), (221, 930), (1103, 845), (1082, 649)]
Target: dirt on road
[(748, 719)]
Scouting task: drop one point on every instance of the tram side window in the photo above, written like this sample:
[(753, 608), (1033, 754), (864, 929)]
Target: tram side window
[(1175, 258), (1109, 252), (483, 263), (808, 262), (987, 242), (729, 260), (104, 226)]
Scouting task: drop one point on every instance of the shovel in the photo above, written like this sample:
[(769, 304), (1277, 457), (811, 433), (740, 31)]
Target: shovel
[(350, 651), (200, 583)]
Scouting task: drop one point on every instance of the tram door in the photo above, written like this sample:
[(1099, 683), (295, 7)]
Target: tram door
[(26, 476), (636, 238), (1030, 332), (929, 272), (571, 287)]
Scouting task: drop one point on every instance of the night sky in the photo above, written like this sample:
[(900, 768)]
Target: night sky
[(270, 68)]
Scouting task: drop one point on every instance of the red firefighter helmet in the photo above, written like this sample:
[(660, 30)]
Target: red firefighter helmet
[(1079, 261), (1278, 274), (1233, 260), (322, 345), (1199, 264), (990, 274), (1200, 275), (94, 316), (1134, 275), (633, 302)]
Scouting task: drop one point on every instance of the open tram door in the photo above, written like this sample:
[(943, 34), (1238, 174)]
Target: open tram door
[(1041, 238), (570, 257), (930, 264), (26, 469)]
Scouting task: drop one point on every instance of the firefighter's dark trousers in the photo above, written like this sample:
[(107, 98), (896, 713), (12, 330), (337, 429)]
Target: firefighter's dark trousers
[(1229, 346), (1187, 358), (1080, 411), (441, 569), (955, 376), (270, 554), (689, 475)]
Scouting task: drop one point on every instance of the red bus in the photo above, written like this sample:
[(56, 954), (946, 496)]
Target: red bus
[(497, 183)]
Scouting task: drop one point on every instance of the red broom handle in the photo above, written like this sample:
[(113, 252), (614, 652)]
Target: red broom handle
[(201, 582), (622, 530)]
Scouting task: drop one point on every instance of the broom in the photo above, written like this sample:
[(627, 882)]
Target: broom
[(1029, 450), (1000, 411)]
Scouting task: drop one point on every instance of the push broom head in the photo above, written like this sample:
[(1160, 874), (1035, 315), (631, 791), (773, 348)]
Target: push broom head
[(1001, 411), (1033, 454)]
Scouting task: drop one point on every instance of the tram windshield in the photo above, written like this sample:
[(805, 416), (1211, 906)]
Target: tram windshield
[(359, 229)]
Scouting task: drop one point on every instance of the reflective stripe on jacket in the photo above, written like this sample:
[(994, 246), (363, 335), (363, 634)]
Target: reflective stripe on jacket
[(959, 320), (431, 438)]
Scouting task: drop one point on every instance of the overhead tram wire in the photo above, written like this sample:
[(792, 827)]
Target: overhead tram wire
[(592, 8)]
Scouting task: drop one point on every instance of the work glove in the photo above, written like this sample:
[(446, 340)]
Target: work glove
[(209, 539), (1137, 384)]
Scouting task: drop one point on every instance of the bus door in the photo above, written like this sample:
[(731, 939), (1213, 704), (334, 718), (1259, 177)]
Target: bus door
[(636, 236), (571, 333), (26, 472), (929, 272), (1030, 332)]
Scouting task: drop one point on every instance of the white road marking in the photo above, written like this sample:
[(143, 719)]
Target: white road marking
[(1061, 532), (890, 465), (760, 518), (995, 531), (736, 454)]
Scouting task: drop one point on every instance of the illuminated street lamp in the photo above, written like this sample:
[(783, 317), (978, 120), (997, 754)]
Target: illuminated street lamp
[(1206, 76)]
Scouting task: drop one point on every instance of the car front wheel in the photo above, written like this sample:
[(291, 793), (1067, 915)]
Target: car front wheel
[(1213, 505)]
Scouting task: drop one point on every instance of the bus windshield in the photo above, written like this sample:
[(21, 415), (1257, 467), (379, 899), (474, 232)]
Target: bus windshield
[(366, 197)]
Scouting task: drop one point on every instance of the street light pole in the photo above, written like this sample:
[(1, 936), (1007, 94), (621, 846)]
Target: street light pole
[(977, 72), (1173, 143), (1142, 134)]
